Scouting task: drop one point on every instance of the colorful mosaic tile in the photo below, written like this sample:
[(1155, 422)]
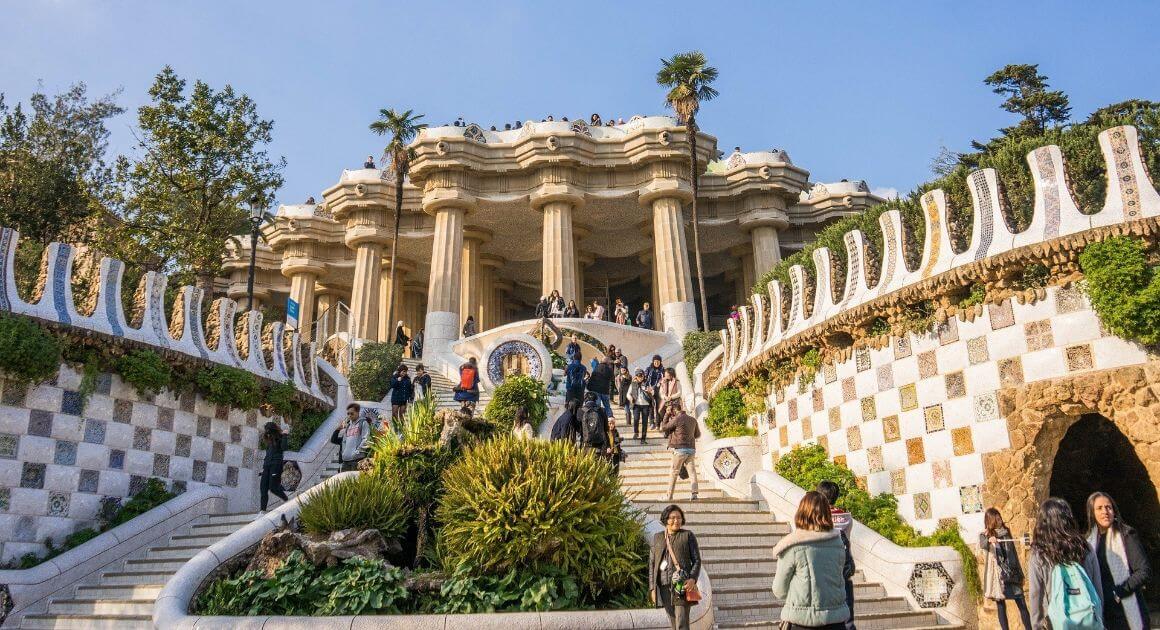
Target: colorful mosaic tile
[(898, 481), (218, 454), (902, 347), (58, 504), (160, 465), (962, 441), (971, 498), (32, 475), (136, 484), (840, 460), (783, 436), (9, 446), (1011, 372), (122, 411), (94, 431), (862, 359), (203, 426), (5, 499), (824, 442), (1068, 300), (956, 385), (1038, 335), (71, 403), (1001, 315), (179, 487), (187, 401), (792, 408), (66, 453), (940, 471), (869, 412), (874, 457), (183, 445), (222, 412), (1079, 358), (199, 467), (927, 364), (835, 419), (807, 427), (929, 582), (890, 429), (977, 350), (986, 407), (235, 434), (779, 395), (885, 377), (89, 481), (165, 419), (948, 331), (849, 392), (915, 451), (252, 418), (104, 383), (726, 462), (908, 397), (853, 439), (933, 416), (922, 505), (829, 372), (40, 423), (14, 393)]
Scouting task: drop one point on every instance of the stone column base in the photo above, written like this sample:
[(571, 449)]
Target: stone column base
[(440, 331), (679, 317)]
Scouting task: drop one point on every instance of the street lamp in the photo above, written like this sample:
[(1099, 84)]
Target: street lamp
[(256, 215)]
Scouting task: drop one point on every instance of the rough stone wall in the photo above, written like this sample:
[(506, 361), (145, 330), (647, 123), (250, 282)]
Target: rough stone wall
[(59, 460)]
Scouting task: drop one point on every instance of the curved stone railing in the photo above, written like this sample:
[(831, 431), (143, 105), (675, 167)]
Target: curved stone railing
[(266, 351), (172, 606), (29, 588), (930, 578), (1130, 197)]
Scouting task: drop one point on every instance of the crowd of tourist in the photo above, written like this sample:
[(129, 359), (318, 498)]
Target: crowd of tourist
[(554, 305), (594, 120)]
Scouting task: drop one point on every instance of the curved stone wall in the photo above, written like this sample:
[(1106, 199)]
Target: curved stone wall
[(915, 414)]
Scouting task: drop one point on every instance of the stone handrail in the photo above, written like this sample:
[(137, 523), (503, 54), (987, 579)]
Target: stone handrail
[(876, 556), (318, 451), (1130, 197), (30, 587), (171, 610), (268, 352)]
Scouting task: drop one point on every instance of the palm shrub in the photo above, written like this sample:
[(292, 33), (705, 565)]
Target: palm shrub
[(28, 353), (517, 391), (370, 375), (727, 414), (540, 506), (365, 501)]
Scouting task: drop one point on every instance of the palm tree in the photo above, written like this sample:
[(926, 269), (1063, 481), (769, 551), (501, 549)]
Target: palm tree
[(402, 127), (689, 77)]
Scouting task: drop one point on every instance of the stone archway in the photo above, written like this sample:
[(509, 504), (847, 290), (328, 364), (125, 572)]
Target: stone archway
[(1039, 415)]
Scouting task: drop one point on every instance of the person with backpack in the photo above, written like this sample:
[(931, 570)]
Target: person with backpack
[(567, 426), (274, 441), (1060, 573), (421, 382), (843, 522), (600, 383), (467, 391), (574, 376), (652, 380), (1123, 564), (811, 561), (594, 426), (615, 453), (683, 432), (1002, 573)]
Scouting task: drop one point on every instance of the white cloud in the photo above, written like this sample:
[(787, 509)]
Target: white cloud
[(885, 192)]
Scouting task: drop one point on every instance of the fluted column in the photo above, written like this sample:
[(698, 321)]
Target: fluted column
[(361, 203), (386, 326), (414, 294), (325, 299), (470, 281), (559, 243), (490, 265), (764, 217), (502, 311), (766, 248), (442, 319), (674, 282), (302, 291)]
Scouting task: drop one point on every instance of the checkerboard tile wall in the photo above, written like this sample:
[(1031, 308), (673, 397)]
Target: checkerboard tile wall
[(914, 418), (58, 461)]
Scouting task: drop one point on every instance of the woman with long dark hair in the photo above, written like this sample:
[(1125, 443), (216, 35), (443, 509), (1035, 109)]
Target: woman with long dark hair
[(274, 441), (1056, 542), (1123, 564), (1002, 575)]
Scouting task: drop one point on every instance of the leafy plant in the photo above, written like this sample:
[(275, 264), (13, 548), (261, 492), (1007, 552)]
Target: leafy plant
[(361, 585), (231, 386), (517, 391), (727, 416), (1033, 276), (467, 592), (878, 326), (533, 505), (366, 501), (303, 427), (811, 362), (145, 370), (805, 466), (976, 295), (281, 397), (754, 391), (697, 345), (370, 375), (917, 318), (1124, 288), (28, 353), (152, 495)]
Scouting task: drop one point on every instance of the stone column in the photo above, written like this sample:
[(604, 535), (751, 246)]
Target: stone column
[(326, 299), (674, 282), (302, 291), (490, 265), (503, 290), (766, 248), (559, 258), (764, 218), (364, 303), (583, 261), (470, 281), (387, 325), (442, 321)]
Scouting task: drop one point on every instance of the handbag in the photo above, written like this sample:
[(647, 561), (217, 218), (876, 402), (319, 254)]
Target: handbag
[(688, 590), (291, 475), (336, 438)]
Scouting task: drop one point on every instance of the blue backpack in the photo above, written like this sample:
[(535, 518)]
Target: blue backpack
[(1073, 604)]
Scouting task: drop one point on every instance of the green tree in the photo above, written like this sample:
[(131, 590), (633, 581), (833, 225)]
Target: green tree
[(689, 78), (53, 174), (402, 128), (1027, 95), (203, 157)]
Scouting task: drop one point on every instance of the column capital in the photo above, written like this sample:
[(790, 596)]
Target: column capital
[(402, 265), (585, 259), (557, 193), (763, 217), (504, 285), (678, 189), (492, 261), (477, 234), (449, 199), (294, 266)]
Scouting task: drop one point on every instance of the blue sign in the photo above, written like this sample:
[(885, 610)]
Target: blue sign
[(292, 312)]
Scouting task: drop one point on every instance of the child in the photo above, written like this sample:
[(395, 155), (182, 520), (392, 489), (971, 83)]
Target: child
[(614, 452)]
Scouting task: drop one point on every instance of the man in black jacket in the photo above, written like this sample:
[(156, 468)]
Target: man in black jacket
[(600, 383)]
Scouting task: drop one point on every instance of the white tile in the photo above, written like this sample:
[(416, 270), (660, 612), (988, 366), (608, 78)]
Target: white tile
[(139, 463), (13, 420), (61, 478), (1076, 327), (991, 436), (918, 479), (938, 445), (967, 470), (945, 503)]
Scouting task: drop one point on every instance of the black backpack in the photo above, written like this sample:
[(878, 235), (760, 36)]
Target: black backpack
[(592, 427)]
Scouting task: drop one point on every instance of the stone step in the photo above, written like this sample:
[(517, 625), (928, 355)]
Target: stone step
[(211, 528), (113, 591), (702, 505), (101, 607), (752, 530), (680, 496), (729, 540), (236, 518), (725, 569), (740, 553), (153, 564), (694, 520), (195, 540), (174, 552), (88, 622), (132, 577), (915, 620), (727, 593)]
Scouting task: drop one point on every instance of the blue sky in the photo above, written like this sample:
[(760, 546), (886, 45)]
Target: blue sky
[(866, 90)]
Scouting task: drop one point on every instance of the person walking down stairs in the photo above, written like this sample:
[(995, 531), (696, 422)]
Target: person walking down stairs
[(274, 441), (683, 432)]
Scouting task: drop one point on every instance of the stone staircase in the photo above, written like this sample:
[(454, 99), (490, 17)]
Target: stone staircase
[(736, 538)]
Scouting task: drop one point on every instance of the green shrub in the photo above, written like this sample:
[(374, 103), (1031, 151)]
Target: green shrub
[(361, 586), (366, 501), (151, 496), (811, 362), (878, 326), (145, 370), (517, 391), (465, 592), (282, 398), (533, 505), (1124, 288), (805, 466), (79, 537), (303, 427), (231, 386), (976, 295), (753, 392), (727, 414), (370, 375), (28, 353), (697, 345)]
